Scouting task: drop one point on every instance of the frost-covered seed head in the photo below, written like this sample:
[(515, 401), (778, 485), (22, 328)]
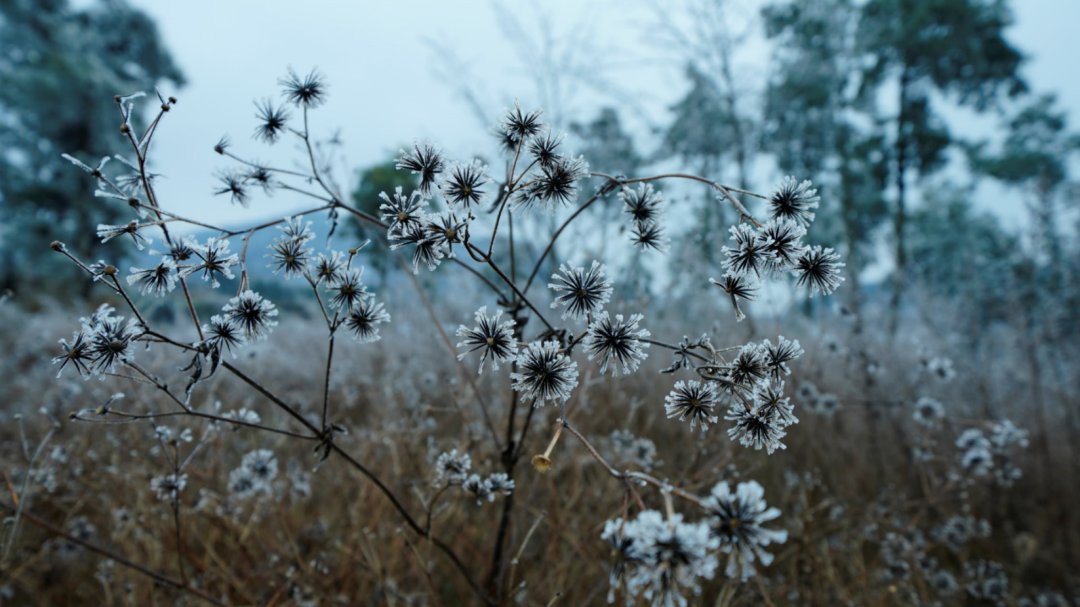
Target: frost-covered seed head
[(494, 339), (693, 400), (818, 269), (364, 318), (545, 373), (348, 290), (423, 160), (617, 343), (794, 200), (581, 292), (464, 186), (737, 519), (158, 280), (252, 313), (642, 204)]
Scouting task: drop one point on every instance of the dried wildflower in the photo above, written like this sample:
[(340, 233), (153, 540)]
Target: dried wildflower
[(444, 230), (214, 261), (928, 412), (423, 160), (500, 482), (736, 518), (544, 373), (682, 353), (289, 257), (167, 487), (476, 485), (271, 121), (296, 228), (633, 451), (364, 318), (748, 367), (819, 269), (617, 342), (463, 187), (986, 580), (772, 402), (941, 367), (643, 204), (778, 356), (108, 232), (694, 400), (242, 483), (660, 558), (158, 280), (943, 582), (555, 184), (756, 427), (234, 185), (748, 256), (183, 249), (494, 339), (544, 149), (223, 333), (794, 200), (111, 339), (349, 289), (262, 463), (521, 125), (426, 251), (252, 313), (581, 292), (452, 468), (329, 269), (1004, 434), (401, 212), (781, 243), (736, 287), (77, 353), (958, 530), (649, 236), (307, 91)]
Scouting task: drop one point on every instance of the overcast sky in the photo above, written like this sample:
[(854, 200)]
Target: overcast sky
[(394, 67)]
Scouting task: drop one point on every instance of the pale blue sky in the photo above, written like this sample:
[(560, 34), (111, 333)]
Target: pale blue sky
[(386, 88)]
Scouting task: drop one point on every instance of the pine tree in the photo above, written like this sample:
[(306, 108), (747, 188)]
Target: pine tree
[(60, 68)]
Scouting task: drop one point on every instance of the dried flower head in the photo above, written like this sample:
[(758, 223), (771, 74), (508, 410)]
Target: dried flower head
[(271, 121), (794, 200), (252, 313), (581, 292), (158, 280), (463, 187), (494, 339), (693, 400), (364, 318), (819, 269), (617, 343), (306, 91), (737, 519), (423, 160), (545, 373)]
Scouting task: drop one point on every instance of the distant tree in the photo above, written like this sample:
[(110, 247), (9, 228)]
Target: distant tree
[(817, 127), (952, 47), (1035, 158), (60, 66)]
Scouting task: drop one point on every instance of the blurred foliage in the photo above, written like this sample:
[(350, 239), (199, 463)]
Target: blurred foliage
[(60, 67)]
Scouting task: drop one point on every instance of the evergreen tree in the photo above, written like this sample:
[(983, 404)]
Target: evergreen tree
[(921, 47), (59, 68)]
